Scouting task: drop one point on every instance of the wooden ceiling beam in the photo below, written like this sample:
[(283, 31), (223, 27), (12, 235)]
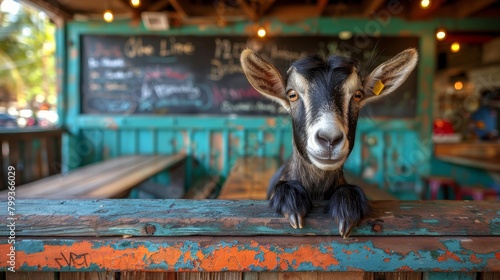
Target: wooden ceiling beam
[(181, 9), (417, 12), (370, 6), (321, 6), (249, 11), (265, 6), (159, 5), (466, 8), (298, 12)]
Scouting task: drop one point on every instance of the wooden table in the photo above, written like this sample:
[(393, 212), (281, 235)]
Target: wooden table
[(249, 178), (489, 164)]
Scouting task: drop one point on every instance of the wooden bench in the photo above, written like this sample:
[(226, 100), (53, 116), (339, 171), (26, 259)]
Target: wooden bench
[(250, 176), (107, 179)]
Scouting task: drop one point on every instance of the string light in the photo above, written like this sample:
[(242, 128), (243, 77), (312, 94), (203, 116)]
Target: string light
[(345, 35), (458, 85), (441, 34), (455, 47), (108, 16), (425, 4), (261, 32), (135, 3)]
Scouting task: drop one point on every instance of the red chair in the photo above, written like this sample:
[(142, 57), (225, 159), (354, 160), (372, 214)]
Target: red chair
[(435, 184)]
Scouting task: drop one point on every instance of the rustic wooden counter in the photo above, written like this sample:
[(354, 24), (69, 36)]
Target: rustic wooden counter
[(222, 235)]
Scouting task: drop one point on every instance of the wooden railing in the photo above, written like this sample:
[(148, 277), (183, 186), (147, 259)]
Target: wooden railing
[(420, 238), (33, 153)]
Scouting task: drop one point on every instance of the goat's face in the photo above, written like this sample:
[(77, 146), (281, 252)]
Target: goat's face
[(324, 104), (324, 97)]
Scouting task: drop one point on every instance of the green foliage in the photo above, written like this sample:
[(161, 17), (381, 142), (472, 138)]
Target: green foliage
[(27, 53)]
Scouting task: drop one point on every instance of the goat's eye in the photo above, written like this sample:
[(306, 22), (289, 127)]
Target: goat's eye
[(358, 95), (292, 95)]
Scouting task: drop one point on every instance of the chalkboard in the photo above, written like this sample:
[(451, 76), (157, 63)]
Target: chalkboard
[(150, 74)]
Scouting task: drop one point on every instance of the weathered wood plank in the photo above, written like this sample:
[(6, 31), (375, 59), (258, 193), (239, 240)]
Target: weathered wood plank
[(246, 217), (128, 178), (100, 180), (109, 275), (257, 253), (397, 275), (19, 275), (490, 276), (141, 275), (209, 276), (51, 184)]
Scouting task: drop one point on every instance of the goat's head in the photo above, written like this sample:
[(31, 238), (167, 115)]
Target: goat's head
[(324, 98)]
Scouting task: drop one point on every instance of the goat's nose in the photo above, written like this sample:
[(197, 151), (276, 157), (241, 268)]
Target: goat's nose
[(329, 137)]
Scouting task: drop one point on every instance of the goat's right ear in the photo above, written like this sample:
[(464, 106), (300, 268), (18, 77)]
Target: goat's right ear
[(264, 77), (390, 75)]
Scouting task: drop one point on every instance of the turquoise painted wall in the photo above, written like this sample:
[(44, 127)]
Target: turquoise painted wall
[(393, 153)]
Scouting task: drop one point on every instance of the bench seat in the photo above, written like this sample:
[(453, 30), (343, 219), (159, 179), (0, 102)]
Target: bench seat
[(107, 179)]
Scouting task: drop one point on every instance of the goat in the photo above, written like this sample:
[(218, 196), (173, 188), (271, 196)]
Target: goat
[(323, 98)]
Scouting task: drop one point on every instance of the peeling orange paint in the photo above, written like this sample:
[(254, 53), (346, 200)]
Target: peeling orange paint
[(447, 256), (387, 260), (497, 255), (315, 257), (474, 259), (405, 268), (230, 258), (347, 252)]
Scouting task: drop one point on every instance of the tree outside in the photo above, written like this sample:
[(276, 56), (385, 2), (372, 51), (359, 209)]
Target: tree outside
[(27, 60)]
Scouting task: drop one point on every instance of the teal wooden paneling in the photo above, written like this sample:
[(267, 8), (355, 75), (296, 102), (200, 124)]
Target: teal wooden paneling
[(392, 153)]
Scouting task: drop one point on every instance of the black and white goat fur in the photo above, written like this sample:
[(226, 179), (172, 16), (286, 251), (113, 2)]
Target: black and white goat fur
[(323, 98)]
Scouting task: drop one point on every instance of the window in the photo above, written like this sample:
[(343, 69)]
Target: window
[(27, 66)]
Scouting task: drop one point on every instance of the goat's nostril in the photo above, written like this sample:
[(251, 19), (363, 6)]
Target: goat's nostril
[(329, 138), (336, 140)]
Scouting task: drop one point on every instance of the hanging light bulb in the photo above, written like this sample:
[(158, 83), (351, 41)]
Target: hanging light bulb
[(108, 16), (455, 47), (458, 85), (425, 4), (135, 3), (261, 32), (441, 34)]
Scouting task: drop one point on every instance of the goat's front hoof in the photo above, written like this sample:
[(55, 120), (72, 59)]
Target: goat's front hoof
[(296, 220), (345, 228), (348, 206), (291, 199)]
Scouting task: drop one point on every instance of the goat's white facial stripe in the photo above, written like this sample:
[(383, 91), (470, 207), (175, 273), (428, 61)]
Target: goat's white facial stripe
[(301, 85), (351, 84), (318, 153)]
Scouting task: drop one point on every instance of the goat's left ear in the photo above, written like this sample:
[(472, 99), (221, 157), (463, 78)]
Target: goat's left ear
[(390, 75), (264, 77)]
